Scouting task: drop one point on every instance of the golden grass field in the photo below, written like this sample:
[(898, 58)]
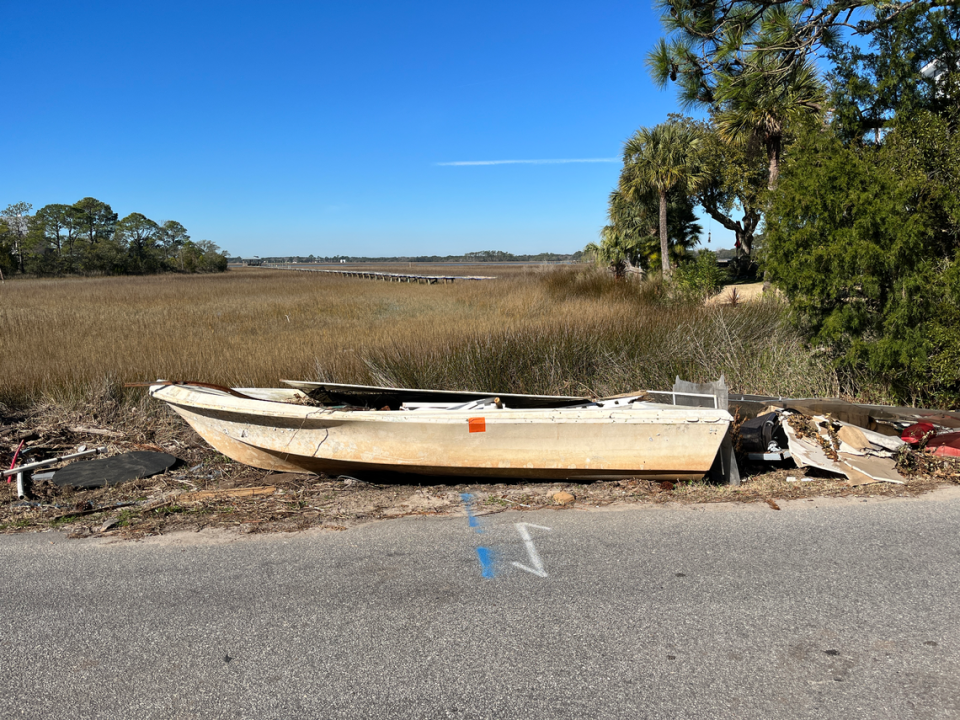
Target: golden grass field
[(546, 330), (68, 346)]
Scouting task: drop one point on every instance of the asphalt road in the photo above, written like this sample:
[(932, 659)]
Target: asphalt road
[(822, 610)]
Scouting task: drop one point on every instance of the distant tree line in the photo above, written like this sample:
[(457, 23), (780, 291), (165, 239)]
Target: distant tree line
[(87, 238), (480, 256)]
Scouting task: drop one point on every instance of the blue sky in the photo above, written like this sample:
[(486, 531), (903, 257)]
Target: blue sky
[(329, 128)]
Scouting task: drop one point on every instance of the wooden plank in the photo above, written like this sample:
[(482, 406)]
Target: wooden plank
[(854, 437), (878, 468)]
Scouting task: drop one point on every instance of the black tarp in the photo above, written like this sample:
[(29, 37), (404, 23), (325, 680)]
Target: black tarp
[(113, 470)]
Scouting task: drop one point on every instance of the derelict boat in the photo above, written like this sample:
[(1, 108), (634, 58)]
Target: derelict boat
[(456, 434)]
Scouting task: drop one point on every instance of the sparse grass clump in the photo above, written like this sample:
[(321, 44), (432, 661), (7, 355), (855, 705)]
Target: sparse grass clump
[(562, 331)]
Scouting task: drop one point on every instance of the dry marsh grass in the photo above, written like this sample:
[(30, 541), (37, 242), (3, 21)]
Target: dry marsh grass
[(69, 345), (542, 331)]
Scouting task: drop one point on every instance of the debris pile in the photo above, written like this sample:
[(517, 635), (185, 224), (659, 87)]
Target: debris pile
[(837, 448), (926, 436), (860, 454)]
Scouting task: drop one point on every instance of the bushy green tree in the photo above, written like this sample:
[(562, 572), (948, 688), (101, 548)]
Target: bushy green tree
[(865, 241), (171, 237), (96, 220), (52, 241), (734, 187), (138, 235), (873, 84), (202, 256), (8, 260), (701, 276), (710, 42), (96, 223), (214, 259)]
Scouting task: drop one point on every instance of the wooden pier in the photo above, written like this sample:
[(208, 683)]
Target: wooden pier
[(387, 276)]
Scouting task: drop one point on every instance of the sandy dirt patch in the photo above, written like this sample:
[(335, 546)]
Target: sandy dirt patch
[(738, 293)]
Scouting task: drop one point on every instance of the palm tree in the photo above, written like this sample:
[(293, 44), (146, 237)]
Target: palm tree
[(757, 107), (662, 158), (616, 250), (683, 237), (639, 218)]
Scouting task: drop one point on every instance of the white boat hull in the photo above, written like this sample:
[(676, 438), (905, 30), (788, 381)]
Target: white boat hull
[(639, 440)]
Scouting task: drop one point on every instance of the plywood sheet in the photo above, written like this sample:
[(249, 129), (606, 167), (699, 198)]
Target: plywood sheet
[(878, 468)]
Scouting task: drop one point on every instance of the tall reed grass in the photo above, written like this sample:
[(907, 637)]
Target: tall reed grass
[(560, 331)]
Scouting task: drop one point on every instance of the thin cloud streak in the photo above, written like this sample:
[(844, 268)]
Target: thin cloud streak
[(530, 162)]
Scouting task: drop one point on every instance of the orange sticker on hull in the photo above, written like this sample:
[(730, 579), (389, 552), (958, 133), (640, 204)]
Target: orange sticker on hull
[(477, 424)]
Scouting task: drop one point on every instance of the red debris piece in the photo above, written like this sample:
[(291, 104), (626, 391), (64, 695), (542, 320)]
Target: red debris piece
[(946, 445), (13, 463), (915, 434)]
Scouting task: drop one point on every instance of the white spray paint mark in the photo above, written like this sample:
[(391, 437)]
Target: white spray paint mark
[(535, 560)]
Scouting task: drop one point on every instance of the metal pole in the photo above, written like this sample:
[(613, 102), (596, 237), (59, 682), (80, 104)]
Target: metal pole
[(51, 461)]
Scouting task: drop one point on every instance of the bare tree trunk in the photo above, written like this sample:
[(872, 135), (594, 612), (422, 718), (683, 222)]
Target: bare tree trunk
[(743, 229), (773, 155), (19, 243), (664, 245)]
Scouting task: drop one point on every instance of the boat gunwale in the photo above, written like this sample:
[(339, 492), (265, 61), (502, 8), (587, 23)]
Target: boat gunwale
[(375, 389), (262, 408)]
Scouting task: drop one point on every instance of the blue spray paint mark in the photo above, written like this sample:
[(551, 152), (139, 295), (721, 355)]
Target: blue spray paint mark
[(471, 518), (485, 556)]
